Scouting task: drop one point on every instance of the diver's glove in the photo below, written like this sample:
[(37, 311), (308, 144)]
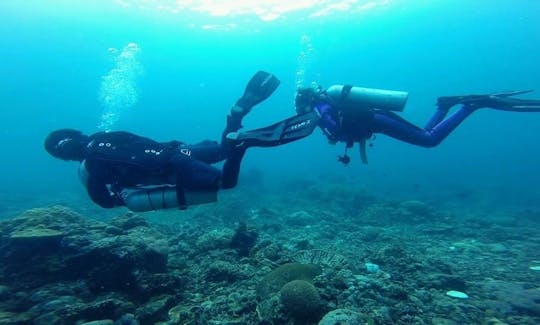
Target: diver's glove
[(501, 101), (259, 88)]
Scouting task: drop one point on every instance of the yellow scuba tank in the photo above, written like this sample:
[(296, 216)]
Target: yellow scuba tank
[(367, 98)]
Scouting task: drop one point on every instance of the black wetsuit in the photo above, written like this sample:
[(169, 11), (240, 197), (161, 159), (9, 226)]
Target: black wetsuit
[(117, 160)]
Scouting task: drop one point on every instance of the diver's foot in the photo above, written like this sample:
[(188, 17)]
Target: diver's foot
[(234, 123), (233, 141), (500, 101), (233, 136), (239, 112), (444, 103), (244, 140)]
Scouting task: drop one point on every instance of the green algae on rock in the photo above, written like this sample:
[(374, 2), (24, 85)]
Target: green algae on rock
[(36, 234)]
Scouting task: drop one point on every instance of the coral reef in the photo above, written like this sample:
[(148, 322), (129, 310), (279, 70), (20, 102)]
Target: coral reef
[(288, 258), (341, 317)]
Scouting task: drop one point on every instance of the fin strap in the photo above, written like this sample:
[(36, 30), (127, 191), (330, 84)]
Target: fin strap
[(345, 91)]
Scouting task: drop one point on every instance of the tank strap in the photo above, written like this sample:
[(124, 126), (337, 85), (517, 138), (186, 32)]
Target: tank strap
[(149, 198), (180, 194), (163, 201), (345, 91)]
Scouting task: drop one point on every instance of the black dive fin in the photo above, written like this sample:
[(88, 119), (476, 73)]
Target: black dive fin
[(288, 130), (259, 88), (511, 93), (501, 101)]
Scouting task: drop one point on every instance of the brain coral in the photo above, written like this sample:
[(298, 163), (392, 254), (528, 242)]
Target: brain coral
[(300, 299)]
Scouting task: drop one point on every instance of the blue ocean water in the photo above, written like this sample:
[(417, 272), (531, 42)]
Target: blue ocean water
[(187, 64)]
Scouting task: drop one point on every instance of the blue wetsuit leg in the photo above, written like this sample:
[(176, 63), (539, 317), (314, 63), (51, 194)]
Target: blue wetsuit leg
[(437, 129), (439, 115)]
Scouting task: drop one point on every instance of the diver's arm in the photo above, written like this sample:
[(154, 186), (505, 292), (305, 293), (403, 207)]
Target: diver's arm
[(97, 190), (100, 194)]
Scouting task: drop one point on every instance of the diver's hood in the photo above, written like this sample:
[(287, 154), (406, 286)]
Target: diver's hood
[(66, 144)]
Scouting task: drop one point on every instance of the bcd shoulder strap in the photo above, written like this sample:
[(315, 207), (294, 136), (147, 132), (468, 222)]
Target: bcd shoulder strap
[(345, 92)]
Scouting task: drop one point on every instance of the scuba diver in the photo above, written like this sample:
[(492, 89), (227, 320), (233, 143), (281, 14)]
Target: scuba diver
[(124, 169), (354, 114)]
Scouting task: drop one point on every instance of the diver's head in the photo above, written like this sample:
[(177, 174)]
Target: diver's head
[(307, 97), (66, 144)]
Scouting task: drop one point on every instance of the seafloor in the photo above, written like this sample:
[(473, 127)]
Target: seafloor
[(294, 256)]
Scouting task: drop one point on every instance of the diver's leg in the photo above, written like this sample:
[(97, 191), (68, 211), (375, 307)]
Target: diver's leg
[(231, 168), (230, 151), (207, 151), (259, 88), (439, 115), (288, 130), (193, 176), (393, 125), (234, 123)]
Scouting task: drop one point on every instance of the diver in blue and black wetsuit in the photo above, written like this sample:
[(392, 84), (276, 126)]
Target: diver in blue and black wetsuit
[(354, 114), (124, 169)]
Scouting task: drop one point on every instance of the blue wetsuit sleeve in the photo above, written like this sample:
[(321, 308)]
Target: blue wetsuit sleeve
[(100, 194), (327, 122)]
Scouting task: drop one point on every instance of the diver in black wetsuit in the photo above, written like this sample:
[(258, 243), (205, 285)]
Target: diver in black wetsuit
[(124, 169)]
